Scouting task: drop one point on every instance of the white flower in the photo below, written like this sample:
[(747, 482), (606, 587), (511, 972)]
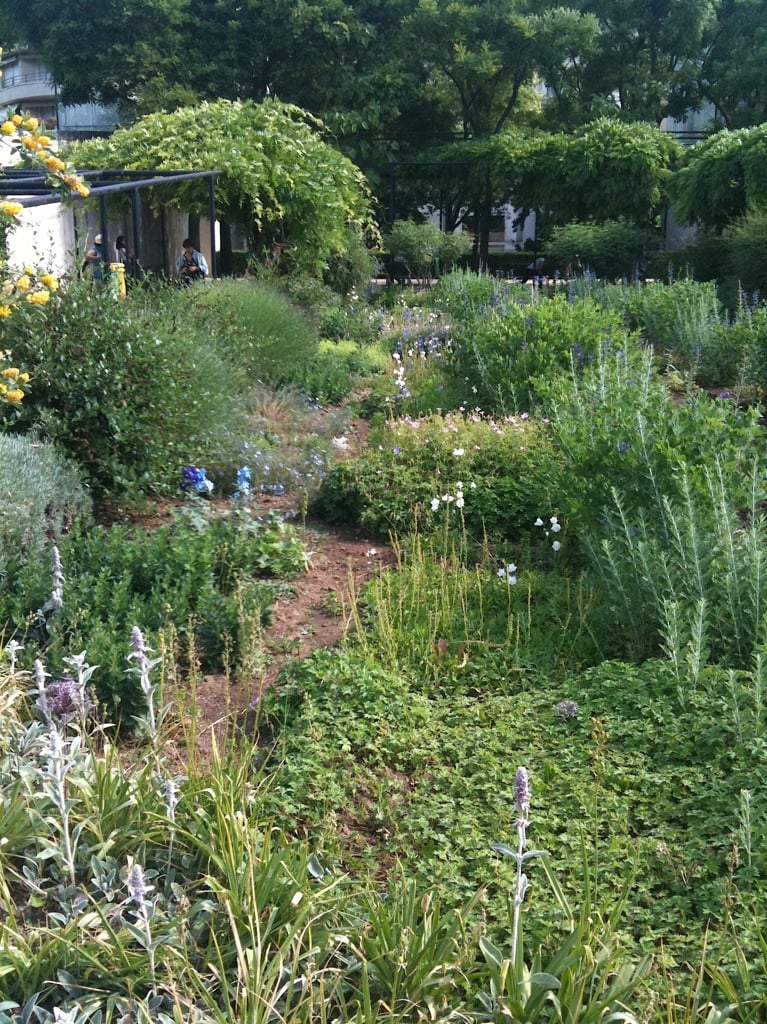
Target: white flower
[(459, 503), (555, 527), (340, 442), (556, 545), (538, 521), (459, 486), (458, 452), (473, 486), (434, 504)]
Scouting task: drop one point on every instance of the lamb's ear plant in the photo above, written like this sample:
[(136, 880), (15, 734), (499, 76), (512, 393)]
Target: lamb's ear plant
[(584, 978)]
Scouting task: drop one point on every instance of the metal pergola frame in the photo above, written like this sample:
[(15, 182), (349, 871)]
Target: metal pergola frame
[(31, 188)]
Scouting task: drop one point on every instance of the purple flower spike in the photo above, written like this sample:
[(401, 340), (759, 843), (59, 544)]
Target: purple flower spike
[(522, 791)]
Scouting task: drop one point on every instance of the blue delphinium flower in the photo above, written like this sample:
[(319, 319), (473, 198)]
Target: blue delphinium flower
[(243, 484), (194, 479)]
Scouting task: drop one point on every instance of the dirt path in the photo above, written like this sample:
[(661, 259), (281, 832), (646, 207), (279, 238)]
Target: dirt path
[(316, 615)]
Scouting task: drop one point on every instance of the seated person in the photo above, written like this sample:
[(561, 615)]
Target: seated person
[(191, 264)]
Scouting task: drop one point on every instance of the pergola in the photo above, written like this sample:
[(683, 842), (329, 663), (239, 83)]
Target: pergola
[(31, 188)]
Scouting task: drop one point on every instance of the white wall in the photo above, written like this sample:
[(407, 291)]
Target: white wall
[(44, 238)]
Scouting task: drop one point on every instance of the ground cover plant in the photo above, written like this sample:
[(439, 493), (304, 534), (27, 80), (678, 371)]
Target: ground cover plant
[(530, 782)]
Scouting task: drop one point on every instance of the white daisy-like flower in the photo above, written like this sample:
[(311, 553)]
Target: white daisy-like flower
[(434, 504), (556, 545)]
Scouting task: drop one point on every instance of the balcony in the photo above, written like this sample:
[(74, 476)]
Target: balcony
[(25, 88)]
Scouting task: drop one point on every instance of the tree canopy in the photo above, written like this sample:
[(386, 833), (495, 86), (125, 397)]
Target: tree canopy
[(279, 178), (722, 178), (604, 171)]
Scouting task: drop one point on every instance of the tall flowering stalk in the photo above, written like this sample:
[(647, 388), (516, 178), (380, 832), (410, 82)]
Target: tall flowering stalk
[(59, 762), (522, 795), (144, 665), (139, 889)]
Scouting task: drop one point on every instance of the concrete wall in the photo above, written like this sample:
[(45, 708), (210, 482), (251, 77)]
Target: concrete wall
[(44, 238)]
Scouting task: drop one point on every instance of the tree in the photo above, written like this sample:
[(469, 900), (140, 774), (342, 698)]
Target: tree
[(112, 51), (722, 178), (608, 170), (647, 54), (279, 177), (733, 66), (566, 40)]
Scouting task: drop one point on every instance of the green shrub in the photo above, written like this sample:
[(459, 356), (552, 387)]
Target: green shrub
[(339, 370), (490, 478), (613, 249), (422, 249), (352, 269), (653, 490), (42, 497), (205, 579), (501, 353), (130, 391), (746, 242), (255, 328)]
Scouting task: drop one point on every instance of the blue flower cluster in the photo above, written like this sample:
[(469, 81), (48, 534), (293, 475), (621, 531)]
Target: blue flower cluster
[(195, 481), (243, 484)]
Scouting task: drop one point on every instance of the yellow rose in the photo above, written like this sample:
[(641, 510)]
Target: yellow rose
[(8, 128), (54, 164), (38, 298), (5, 311), (17, 119), (31, 124), (50, 281), (15, 395), (10, 209), (23, 283), (82, 189), (24, 378), (11, 373), (44, 140)]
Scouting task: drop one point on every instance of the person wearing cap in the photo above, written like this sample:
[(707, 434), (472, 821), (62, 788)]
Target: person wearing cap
[(94, 258)]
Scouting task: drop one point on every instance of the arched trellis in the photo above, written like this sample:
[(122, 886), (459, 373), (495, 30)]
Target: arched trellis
[(30, 188)]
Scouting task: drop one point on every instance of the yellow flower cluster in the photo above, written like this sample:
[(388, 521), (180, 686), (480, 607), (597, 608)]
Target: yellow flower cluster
[(30, 286), (26, 133), (13, 385)]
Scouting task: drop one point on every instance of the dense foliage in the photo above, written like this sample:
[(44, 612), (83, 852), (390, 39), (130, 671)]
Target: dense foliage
[(579, 589), (280, 179)]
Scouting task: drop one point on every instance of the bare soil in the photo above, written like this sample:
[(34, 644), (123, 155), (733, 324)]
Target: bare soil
[(317, 614)]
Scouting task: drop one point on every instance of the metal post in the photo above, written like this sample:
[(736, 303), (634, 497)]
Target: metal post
[(136, 218), (212, 219)]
